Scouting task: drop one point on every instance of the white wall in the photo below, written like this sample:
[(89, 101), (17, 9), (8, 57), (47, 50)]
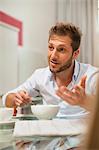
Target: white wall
[(96, 49), (8, 58), (37, 17), (68, 12)]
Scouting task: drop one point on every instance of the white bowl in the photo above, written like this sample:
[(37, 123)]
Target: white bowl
[(5, 113), (45, 111)]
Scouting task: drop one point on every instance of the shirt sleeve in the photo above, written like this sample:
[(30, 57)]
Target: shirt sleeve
[(30, 85), (91, 84)]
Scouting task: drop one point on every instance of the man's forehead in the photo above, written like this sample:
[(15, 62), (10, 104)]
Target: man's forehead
[(60, 40)]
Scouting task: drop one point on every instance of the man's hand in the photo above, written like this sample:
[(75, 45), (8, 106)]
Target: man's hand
[(17, 99), (76, 96)]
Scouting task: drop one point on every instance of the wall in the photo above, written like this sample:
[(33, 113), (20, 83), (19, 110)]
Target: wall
[(37, 17), (84, 14), (8, 58), (96, 35), (96, 50)]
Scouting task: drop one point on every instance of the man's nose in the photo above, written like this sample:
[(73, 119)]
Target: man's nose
[(55, 53)]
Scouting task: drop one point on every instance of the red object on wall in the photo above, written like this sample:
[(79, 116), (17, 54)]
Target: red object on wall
[(7, 19)]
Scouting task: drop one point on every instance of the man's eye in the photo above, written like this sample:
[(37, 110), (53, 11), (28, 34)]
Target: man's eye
[(61, 49), (51, 47)]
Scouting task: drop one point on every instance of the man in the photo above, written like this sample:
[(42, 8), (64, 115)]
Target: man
[(65, 81)]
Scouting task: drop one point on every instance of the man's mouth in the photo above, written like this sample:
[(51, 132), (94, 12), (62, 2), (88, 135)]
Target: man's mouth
[(54, 62)]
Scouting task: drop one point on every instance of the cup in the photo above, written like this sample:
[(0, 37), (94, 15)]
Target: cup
[(6, 113)]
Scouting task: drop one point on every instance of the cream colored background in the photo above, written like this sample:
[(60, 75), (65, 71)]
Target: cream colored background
[(37, 17)]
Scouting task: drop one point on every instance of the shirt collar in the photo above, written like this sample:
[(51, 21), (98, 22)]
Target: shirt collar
[(76, 70), (50, 74)]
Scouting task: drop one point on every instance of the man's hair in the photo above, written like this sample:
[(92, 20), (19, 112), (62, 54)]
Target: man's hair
[(62, 29)]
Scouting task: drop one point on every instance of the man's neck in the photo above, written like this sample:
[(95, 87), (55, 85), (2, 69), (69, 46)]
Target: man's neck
[(64, 77)]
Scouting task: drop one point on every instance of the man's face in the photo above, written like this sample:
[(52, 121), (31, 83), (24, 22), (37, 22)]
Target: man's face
[(60, 53)]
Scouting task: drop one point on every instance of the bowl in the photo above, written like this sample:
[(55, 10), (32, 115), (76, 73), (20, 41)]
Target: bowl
[(45, 111), (6, 113)]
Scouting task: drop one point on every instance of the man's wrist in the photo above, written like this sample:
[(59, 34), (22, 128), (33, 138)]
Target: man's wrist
[(88, 102)]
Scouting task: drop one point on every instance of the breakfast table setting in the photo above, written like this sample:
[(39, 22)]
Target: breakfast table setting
[(43, 127)]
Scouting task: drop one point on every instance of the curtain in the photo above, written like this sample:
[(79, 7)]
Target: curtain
[(80, 13)]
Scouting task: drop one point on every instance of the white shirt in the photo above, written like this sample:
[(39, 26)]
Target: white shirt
[(42, 83)]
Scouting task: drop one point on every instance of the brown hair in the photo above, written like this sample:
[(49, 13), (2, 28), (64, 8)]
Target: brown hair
[(92, 139), (62, 29)]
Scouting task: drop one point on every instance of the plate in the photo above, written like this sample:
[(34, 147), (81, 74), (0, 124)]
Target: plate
[(25, 117), (73, 116), (7, 124)]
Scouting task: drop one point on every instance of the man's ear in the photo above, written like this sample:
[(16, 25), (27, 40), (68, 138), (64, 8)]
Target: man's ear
[(76, 53)]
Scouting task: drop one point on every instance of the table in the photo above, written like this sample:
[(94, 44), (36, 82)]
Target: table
[(8, 142)]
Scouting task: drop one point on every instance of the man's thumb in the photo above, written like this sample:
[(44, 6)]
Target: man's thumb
[(83, 81)]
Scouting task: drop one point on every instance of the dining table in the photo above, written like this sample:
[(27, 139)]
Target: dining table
[(31, 131)]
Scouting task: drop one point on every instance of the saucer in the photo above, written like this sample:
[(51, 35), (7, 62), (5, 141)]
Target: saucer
[(73, 116), (25, 117)]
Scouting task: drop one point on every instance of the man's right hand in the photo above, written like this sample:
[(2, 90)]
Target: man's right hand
[(76, 96), (18, 99)]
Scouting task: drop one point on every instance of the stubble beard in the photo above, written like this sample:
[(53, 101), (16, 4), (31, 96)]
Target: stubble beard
[(66, 66)]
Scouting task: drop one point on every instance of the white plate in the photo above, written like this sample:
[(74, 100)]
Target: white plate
[(73, 116), (6, 126)]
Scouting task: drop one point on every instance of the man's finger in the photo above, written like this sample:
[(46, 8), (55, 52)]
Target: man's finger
[(17, 95), (25, 95)]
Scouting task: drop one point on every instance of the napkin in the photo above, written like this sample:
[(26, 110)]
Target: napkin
[(57, 127)]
